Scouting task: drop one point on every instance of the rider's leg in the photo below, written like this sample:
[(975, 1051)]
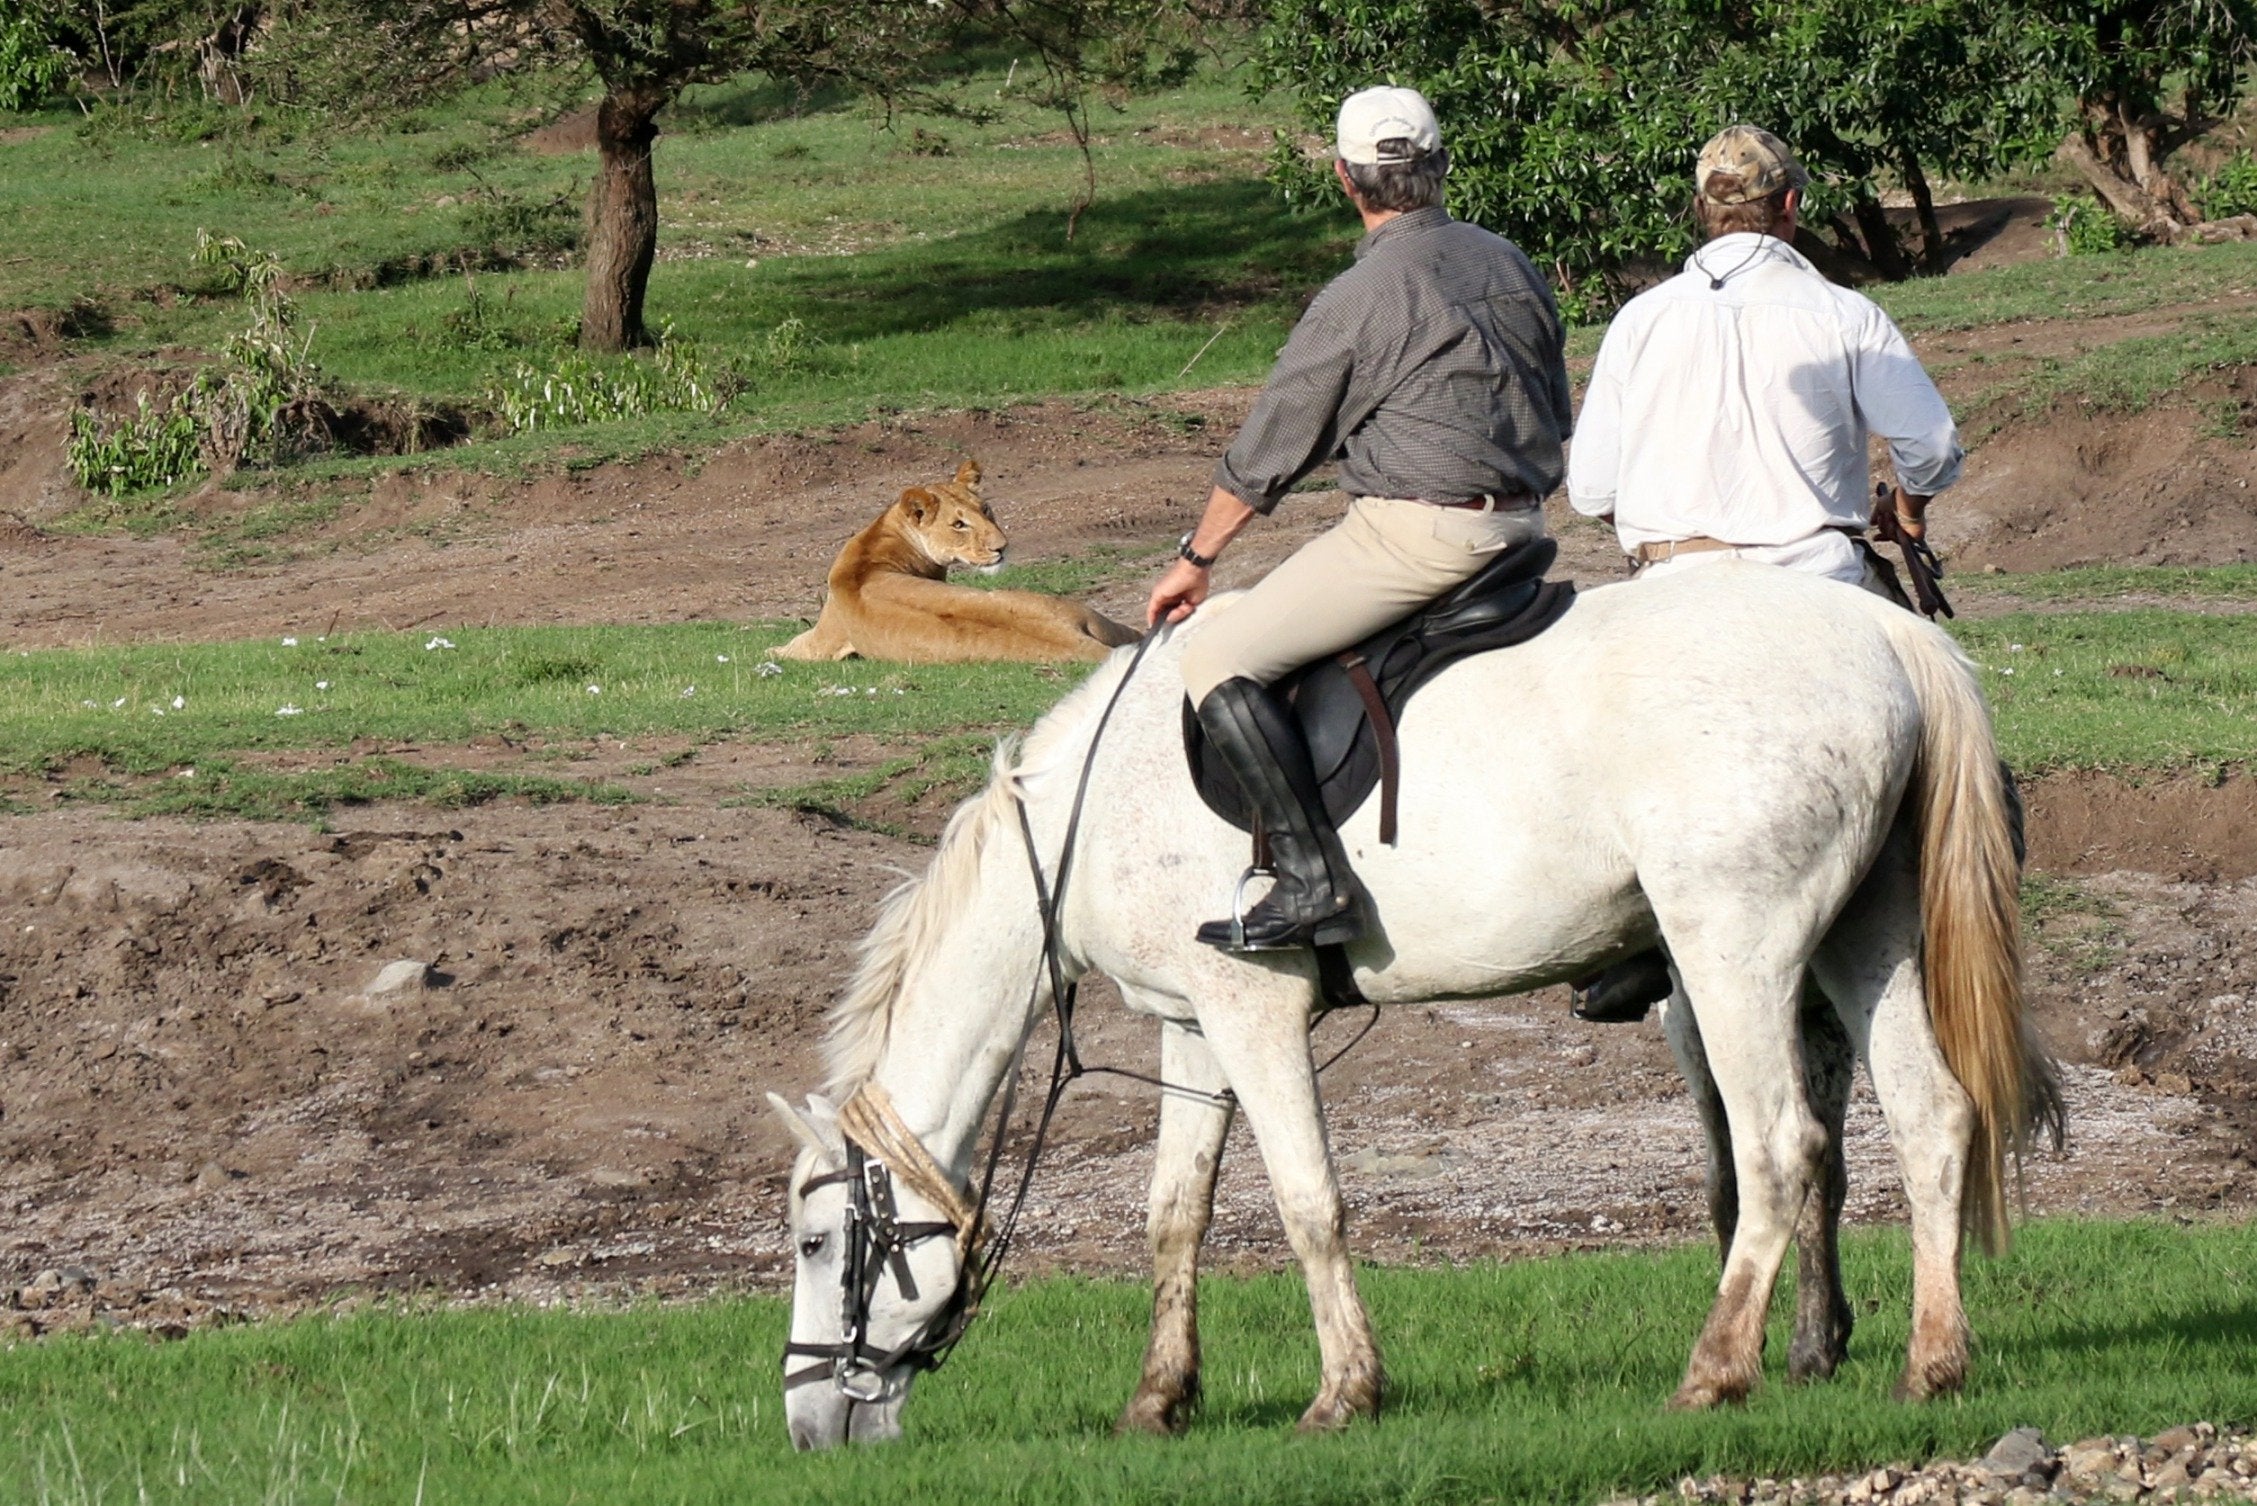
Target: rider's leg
[(1388, 558)]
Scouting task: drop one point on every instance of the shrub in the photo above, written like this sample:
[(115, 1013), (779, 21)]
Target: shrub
[(2232, 189), (258, 403), (674, 378), (509, 223), (2086, 226), (32, 68)]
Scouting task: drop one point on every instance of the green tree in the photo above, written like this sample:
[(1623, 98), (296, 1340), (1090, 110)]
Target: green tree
[(33, 68), (1572, 126), (2147, 76)]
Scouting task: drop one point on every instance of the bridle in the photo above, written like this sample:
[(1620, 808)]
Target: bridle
[(880, 1148)]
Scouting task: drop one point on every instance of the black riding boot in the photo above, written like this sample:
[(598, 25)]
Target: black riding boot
[(1316, 900), (1624, 992)]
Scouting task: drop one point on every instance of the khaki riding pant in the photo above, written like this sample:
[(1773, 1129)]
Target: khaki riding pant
[(1386, 559)]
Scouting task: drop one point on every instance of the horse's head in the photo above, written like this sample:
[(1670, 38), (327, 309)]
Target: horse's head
[(879, 1292)]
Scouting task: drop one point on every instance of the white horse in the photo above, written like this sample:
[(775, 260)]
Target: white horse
[(1780, 776)]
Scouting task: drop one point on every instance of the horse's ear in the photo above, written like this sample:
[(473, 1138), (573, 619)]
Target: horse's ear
[(968, 474), (921, 503), (817, 1127)]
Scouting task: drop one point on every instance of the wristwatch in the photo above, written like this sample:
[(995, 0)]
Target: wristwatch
[(1185, 551)]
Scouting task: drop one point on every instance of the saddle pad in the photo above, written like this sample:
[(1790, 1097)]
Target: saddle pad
[(1507, 604)]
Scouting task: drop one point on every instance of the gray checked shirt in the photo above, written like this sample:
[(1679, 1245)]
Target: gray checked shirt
[(1434, 367)]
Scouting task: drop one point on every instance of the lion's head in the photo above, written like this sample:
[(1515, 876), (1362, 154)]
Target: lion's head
[(951, 524)]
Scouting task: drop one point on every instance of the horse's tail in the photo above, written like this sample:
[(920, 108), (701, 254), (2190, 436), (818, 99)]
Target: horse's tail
[(1971, 918)]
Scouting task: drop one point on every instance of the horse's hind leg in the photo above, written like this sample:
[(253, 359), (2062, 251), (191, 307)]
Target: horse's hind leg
[(1822, 1313), (1748, 1015), (1870, 965), (1189, 1155)]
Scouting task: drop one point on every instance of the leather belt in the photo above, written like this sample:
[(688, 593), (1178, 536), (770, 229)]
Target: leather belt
[(1493, 502), (1668, 549)]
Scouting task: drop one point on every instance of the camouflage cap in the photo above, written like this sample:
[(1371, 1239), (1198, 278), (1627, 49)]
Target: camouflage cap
[(1755, 165)]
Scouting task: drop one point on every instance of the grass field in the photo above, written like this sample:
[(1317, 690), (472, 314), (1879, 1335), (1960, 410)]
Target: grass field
[(1536, 1381), (2145, 689)]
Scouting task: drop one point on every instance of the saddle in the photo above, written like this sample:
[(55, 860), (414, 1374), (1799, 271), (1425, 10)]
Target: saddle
[(1349, 704)]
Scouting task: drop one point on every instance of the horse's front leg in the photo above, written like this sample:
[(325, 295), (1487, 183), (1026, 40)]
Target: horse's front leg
[(1257, 1025), (1823, 1318), (1189, 1155)]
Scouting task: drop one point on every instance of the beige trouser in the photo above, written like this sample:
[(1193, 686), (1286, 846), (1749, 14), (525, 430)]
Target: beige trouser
[(1386, 559)]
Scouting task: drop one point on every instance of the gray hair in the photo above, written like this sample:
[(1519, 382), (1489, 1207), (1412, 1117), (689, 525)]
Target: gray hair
[(1411, 183)]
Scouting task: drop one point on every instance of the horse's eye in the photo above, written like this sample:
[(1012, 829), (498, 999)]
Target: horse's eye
[(810, 1246)]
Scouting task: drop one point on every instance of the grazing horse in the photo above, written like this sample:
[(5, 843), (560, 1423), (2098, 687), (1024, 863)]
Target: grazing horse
[(1780, 777)]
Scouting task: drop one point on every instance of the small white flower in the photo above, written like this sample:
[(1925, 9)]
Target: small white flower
[(765, 671), (689, 691), (180, 703), (2009, 669), (90, 705), (2057, 674), (437, 642), (187, 773), (118, 704), (595, 690), (873, 690), (289, 711), (720, 658), (156, 711), (2014, 648), (289, 643), (321, 684)]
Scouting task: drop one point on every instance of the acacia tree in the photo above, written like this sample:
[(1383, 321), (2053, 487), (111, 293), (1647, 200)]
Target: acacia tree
[(2148, 76)]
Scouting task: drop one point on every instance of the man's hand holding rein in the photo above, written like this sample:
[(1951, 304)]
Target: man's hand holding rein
[(1184, 585)]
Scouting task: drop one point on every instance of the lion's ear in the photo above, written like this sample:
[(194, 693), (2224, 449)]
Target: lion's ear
[(968, 474), (920, 503)]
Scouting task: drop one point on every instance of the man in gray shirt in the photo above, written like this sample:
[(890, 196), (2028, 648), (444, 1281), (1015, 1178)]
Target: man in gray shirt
[(1434, 370)]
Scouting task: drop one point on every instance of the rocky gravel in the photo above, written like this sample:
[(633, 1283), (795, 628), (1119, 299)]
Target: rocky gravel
[(2197, 1462)]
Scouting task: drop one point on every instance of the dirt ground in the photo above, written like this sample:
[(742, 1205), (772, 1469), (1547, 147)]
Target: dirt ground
[(205, 1109)]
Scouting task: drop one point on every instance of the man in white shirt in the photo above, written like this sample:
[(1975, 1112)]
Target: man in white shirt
[(1727, 416), (1728, 409)]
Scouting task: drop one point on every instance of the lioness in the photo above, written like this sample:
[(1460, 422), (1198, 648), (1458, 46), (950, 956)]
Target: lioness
[(890, 598)]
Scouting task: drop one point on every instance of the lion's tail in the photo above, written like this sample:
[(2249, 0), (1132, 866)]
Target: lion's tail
[(1970, 910)]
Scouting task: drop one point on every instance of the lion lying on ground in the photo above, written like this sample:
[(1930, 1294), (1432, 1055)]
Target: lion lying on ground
[(890, 597)]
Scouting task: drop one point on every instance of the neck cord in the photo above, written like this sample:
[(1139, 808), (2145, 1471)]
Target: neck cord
[(1716, 282)]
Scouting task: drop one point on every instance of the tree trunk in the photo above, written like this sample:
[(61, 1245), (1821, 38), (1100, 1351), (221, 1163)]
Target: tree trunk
[(1931, 233), (2140, 193), (622, 222), (1880, 238)]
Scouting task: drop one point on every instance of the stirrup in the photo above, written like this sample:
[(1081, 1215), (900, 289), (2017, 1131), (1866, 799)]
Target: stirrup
[(1238, 903)]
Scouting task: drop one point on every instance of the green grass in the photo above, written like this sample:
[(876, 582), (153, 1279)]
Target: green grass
[(102, 723), (2140, 689), (2078, 287), (1537, 1381), (2101, 582)]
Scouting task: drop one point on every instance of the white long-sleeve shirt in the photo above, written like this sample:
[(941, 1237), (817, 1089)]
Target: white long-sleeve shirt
[(1740, 413)]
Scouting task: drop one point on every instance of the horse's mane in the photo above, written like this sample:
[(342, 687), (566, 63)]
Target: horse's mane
[(915, 914)]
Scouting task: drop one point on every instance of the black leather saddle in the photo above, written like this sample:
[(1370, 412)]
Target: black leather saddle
[(1348, 704)]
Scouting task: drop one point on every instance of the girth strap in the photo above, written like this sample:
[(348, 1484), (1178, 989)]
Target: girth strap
[(1383, 732)]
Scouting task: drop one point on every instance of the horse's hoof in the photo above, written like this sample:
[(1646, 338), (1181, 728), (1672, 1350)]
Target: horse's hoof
[(1711, 1391), (1334, 1409), (1815, 1359), (1150, 1414), (1942, 1377)]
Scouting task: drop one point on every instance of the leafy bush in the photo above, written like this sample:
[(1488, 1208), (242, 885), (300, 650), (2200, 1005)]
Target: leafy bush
[(32, 68), (256, 404), (2232, 189), (2086, 226), (674, 378), (510, 223)]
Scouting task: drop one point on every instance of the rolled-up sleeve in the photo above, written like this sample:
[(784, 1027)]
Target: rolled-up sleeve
[(1295, 425), (1594, 461), (1902, 405)]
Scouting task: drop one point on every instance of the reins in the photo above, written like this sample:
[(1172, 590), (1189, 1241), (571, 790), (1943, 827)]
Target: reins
[(876, 1138)]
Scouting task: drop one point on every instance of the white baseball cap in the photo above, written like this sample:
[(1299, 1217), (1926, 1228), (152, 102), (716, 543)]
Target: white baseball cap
[(1386, 113)]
